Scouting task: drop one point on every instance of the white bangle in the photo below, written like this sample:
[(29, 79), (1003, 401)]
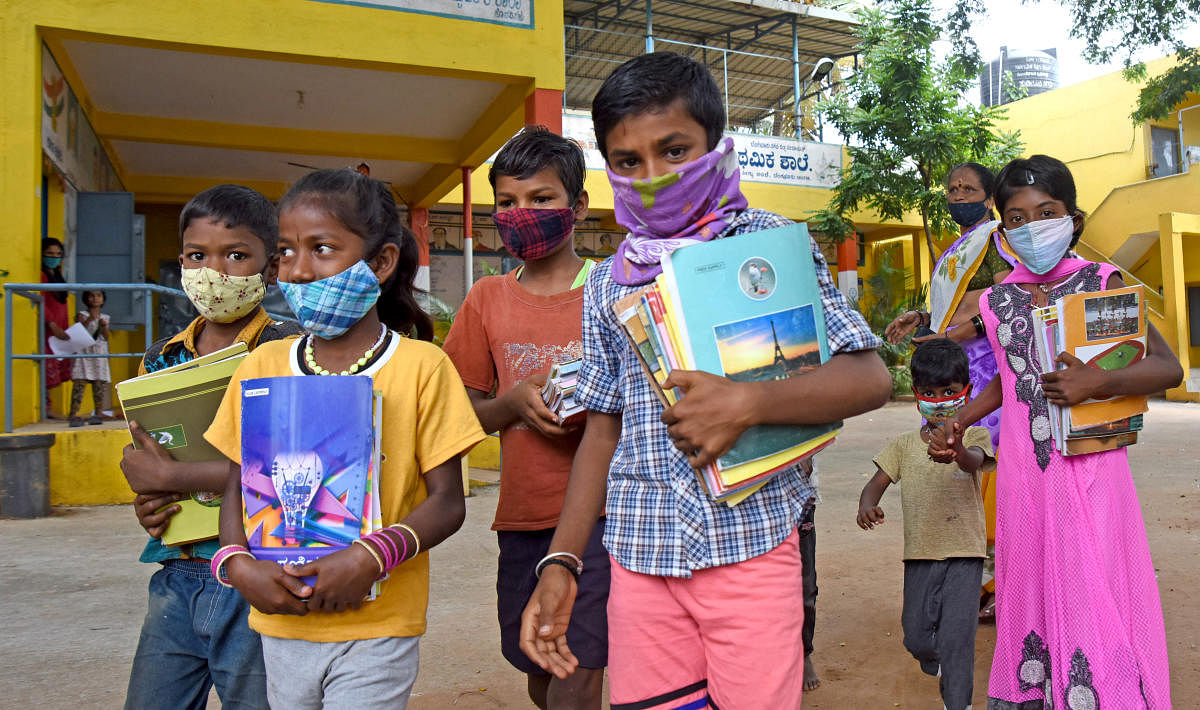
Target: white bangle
[(574, 558)]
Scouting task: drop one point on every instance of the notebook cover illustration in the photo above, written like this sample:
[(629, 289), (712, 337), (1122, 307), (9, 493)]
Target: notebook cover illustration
[(1107, 331), (308, 479), (749, 307)]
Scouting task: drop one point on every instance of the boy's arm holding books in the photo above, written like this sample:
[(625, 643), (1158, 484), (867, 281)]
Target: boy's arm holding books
[(715, 411), (521, 403), (159, 480)]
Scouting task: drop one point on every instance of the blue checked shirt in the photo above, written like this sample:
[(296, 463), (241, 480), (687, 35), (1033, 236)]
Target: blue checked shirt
[(660, 521)]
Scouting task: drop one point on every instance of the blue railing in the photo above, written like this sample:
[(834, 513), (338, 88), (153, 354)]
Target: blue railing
[(32, 292)]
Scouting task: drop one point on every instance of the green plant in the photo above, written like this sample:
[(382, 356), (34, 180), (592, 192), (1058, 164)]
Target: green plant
[(440, 312), (888, 293)]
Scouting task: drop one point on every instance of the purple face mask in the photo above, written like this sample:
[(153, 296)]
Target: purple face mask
[(690, 205)]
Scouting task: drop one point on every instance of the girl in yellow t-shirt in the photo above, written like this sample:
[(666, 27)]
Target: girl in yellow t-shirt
[(346, 268)]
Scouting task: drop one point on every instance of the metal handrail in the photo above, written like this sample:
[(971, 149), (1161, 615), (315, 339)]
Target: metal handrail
[(31, 292)]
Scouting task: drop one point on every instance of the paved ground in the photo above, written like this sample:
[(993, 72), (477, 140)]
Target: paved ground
[(73, 594)]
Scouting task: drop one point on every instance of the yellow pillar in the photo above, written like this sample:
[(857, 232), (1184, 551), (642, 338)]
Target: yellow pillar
[(922, 262), (20, 188), (1172, 227)]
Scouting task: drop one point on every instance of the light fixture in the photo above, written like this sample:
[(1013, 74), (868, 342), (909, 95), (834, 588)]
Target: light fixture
[(821, 69)]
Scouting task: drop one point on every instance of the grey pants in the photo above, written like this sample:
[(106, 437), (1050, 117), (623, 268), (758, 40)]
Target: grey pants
[(941, 613), (371, 674)]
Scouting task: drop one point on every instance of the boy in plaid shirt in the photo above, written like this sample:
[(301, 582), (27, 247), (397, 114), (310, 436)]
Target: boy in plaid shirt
[(704, 603)]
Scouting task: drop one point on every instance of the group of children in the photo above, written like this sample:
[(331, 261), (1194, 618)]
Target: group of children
[(611, 554)]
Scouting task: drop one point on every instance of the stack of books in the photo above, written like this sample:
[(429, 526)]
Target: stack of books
[(559, 393), (310, 482), (1107, 331), (748, 308), (175, 406)]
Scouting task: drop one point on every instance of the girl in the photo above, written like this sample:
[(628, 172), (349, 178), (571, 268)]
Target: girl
[(1079, 623), (346, 268), (92, 370), (55, 313)]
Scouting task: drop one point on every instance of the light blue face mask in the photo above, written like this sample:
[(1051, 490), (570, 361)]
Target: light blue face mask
[(1041, 245), (327, 308)]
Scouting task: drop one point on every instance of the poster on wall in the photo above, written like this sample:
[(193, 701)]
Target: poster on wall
[(515, 13), (67, 137), (769, 159)]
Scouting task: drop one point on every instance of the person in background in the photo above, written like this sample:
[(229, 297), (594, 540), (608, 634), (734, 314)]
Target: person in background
[(91, 370), (55, 313)]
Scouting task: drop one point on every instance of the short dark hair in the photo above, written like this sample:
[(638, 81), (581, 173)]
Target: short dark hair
[(987, 179), (234, 206), (938, 362), (534, 149), (1050, 175), (651, 82)]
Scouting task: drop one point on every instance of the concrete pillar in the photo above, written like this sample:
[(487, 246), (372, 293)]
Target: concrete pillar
[(1172, 228), (418, 222), (544, 107)]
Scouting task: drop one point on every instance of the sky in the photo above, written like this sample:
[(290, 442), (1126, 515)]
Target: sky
[(1041, 25)]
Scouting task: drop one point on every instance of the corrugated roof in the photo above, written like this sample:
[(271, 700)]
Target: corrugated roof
[(749, 39)]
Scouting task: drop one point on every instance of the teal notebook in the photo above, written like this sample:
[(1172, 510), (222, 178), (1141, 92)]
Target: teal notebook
[(749, 307)]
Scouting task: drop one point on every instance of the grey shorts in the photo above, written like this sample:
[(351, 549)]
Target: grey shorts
[(346, 675)]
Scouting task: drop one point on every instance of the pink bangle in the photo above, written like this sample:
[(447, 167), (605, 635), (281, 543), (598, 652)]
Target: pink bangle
[(222, 556)]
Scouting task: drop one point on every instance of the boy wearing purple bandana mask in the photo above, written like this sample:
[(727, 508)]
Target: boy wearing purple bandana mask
[(508, 333), (704, 605)]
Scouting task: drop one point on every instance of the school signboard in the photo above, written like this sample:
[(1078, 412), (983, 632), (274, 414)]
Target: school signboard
[(769, 159), (515, 13)]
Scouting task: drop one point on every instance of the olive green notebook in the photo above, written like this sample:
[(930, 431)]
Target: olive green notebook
[(176, 406)]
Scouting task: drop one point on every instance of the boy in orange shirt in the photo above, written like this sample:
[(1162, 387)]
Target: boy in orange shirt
[(508, 333)]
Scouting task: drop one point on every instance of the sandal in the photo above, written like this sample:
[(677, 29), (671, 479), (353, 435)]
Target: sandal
[(987, 608), (75, 421)]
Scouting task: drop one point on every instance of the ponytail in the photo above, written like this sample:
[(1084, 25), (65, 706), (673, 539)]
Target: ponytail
[(398, 307)]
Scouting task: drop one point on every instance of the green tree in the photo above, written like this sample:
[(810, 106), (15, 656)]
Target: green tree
[(905, 119), (1123, 28)]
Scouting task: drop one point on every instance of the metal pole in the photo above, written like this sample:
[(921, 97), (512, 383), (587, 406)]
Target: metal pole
[(725, 80), (796, 76), (8, 393), (468, 240), (1183, 164), (649, 26), (149, 319)]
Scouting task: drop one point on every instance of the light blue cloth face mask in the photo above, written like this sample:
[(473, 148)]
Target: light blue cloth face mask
[(1041, 245)]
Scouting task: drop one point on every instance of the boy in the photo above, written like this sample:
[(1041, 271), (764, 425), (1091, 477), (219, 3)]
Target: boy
[(704, 604), (944, 537), (507, 334), (195, 633)]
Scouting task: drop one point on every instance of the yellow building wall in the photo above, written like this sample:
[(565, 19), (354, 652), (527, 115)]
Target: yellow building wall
[(317, 31)]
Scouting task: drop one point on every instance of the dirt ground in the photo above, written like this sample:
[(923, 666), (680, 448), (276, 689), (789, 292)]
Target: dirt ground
[(73, 594)]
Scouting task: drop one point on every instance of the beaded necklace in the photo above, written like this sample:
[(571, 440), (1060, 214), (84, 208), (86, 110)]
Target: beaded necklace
[(311, 361)]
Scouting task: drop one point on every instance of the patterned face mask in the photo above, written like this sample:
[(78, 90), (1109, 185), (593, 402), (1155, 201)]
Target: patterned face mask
[(532, 234), (222, 298), (328, 307), (690, 205), (939, 409)]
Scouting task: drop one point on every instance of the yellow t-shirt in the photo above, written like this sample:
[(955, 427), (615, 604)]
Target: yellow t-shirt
[(942, 506), (427, 420)]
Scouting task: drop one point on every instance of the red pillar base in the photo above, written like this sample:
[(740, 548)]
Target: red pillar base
[(418, 222), (544, 107)]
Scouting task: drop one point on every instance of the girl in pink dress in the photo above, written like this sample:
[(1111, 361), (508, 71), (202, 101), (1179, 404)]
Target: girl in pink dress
[(1079, 624)]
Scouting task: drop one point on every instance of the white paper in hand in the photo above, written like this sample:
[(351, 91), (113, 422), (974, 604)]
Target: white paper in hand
[(78, 340)]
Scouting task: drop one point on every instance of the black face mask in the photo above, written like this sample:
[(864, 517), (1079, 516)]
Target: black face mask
[(967, 214)]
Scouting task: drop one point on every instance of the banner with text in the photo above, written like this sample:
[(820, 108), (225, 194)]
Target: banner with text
[(517, 13)]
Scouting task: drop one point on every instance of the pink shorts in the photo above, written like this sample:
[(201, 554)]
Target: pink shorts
[(729, 637)]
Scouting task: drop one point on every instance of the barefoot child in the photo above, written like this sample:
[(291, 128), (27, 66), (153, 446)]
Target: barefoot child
[(945, 540), (91, 370), (195, 633), (346, 268), (705, 599), (507, 334), (1078, 618)]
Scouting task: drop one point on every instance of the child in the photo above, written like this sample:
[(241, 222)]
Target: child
[(945, 540), (1078, 618), (92, 370), (704, 604), (195, 633), (507, 334), (346, 267)]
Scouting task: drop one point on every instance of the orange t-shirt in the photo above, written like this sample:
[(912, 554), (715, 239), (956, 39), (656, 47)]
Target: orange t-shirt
[(502, 335)]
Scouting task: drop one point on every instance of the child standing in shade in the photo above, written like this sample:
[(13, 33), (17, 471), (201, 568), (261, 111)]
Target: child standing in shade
[(507, 335), (92, 370), (346, 268), (945, 541), (705, 599)]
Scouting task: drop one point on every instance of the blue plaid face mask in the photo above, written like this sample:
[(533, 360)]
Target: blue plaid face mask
[(327, 308)]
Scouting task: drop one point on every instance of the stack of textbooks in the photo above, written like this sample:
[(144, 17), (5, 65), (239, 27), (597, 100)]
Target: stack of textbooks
[(1107, 331), (175, 406), (747, 308), (559, 393), (310, 482)]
